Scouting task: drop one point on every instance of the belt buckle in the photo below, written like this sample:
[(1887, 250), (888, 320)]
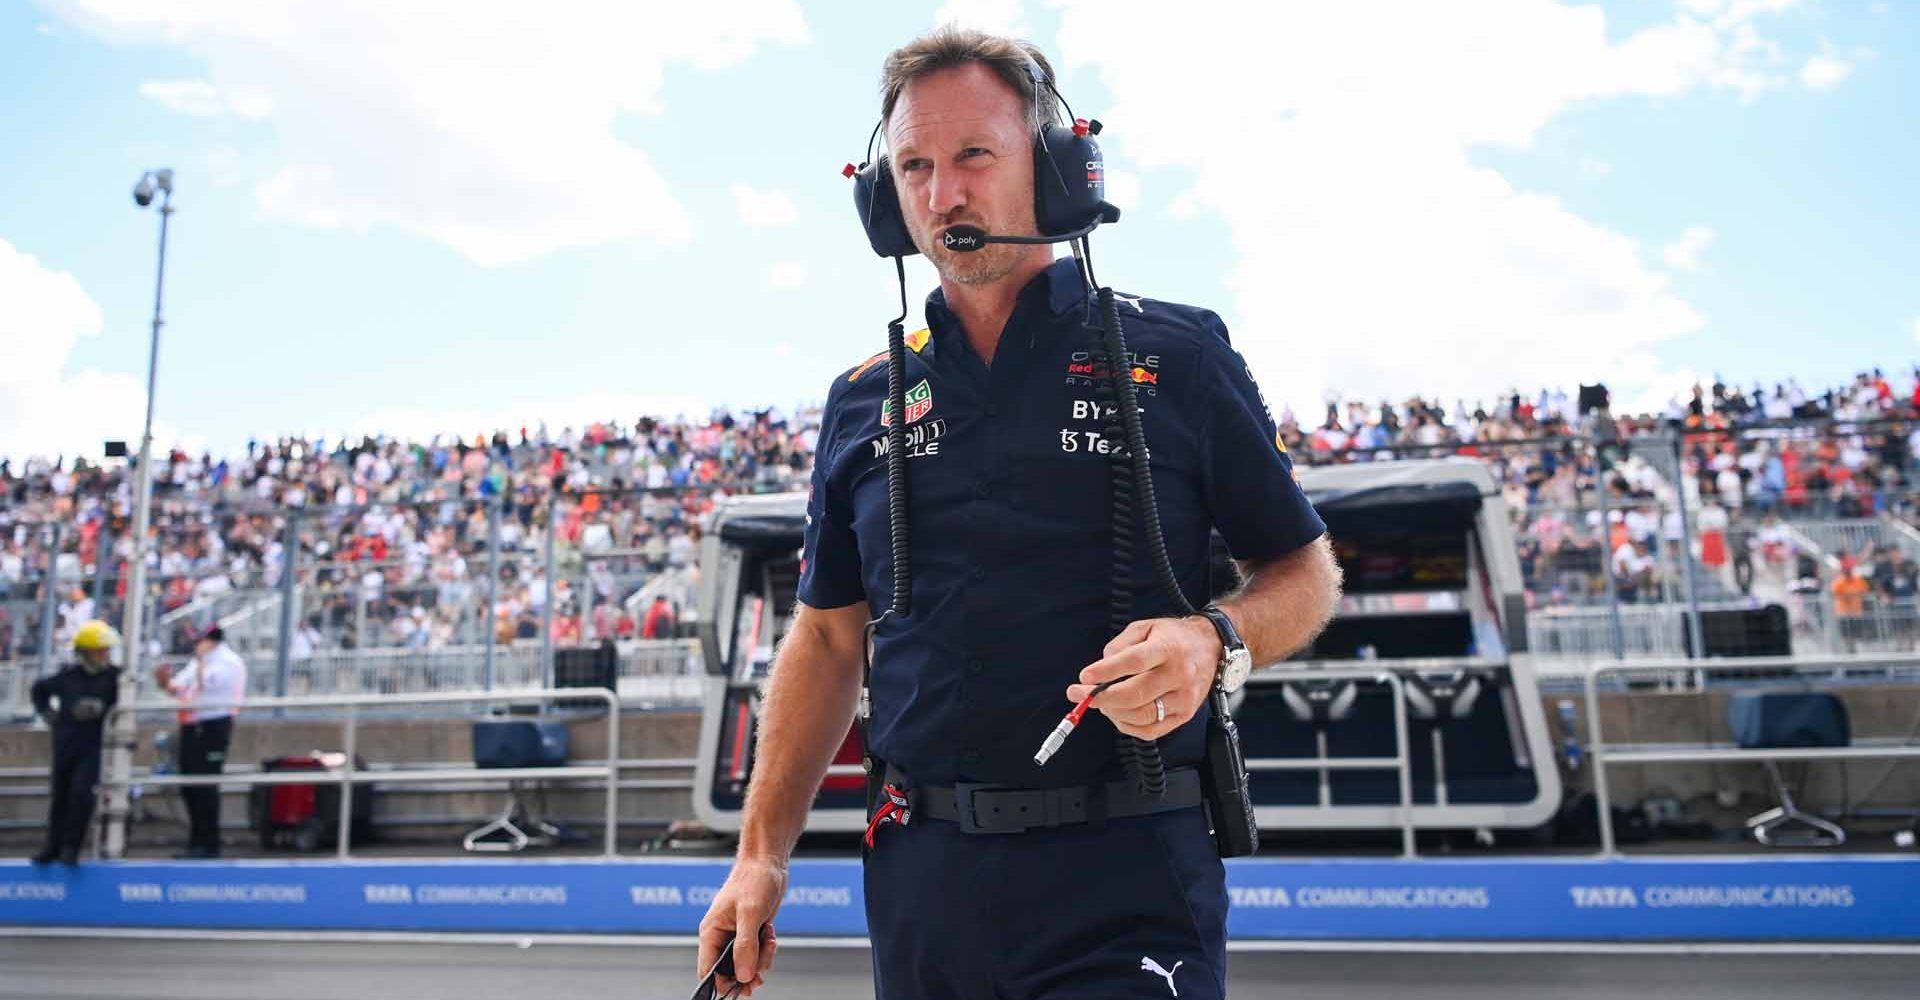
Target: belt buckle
[(963, 804)]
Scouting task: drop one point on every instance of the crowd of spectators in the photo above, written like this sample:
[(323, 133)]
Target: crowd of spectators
[(1747, 461), (392, 535)]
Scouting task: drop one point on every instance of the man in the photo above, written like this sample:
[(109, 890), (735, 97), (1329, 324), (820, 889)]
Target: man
[(210, 688), (1011, 553), (1850, 590), (1895, 577), (1633, 573), (85, 691), (659, 622)]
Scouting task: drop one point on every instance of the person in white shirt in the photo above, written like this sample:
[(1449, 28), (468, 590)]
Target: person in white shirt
[(1632, 570), (210, 688)]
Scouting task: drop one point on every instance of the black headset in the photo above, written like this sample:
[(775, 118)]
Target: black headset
[(1063, 203)]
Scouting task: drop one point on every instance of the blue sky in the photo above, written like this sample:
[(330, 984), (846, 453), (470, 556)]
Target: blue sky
[(425, 223)]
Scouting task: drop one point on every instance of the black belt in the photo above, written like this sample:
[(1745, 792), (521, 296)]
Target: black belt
[(988, 808)]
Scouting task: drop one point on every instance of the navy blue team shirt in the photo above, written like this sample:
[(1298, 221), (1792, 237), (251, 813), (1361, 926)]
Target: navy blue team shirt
[(1011, 523)]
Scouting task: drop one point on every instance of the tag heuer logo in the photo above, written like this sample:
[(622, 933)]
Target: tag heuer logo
[(919, 402)]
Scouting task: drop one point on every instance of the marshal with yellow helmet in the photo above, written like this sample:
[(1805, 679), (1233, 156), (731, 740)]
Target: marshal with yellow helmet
[(74, 703)]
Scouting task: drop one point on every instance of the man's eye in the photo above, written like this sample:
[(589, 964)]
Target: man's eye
[(972, 152), (912, 165)]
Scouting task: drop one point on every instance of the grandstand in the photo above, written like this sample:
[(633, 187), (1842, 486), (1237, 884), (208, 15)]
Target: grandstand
[(392, 540)]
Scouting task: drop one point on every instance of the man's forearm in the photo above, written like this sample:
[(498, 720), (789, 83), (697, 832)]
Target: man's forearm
[(1286, 601), (810, 702)]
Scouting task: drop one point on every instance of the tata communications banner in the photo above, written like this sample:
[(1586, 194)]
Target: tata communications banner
[(1814, 899)]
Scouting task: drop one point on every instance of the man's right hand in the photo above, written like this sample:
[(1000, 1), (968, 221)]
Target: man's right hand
[(744, 909)]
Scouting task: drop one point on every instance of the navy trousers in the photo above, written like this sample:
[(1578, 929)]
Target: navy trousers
[(1135, 909), (76, 770)]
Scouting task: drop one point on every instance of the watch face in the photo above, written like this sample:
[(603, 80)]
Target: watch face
[(1234, 671)]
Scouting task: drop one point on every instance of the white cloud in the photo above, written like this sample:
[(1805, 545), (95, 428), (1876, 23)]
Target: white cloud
[(1683, 254), (1374, 254), (770, 209), (43, 409), (1123, 190), (202, 100), (489, 128), (999, 17), (1825, 71), (787, 274)]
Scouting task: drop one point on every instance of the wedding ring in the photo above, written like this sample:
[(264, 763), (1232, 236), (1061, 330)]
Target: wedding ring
[(1159, 710)]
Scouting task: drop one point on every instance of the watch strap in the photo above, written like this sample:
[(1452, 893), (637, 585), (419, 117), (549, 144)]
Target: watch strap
[(1229, 636)]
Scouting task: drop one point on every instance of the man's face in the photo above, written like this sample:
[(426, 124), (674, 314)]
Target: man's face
[(961, 153)]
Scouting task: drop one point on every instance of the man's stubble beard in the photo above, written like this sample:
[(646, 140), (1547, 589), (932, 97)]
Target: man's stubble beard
[(980, 267)]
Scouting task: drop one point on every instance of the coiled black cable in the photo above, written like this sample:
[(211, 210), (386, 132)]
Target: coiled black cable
[(1133, 504), (898, 530)]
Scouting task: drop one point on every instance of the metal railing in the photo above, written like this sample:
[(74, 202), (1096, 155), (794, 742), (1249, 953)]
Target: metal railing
[(643, 664), (1844, 536), (349, 775), (1706, 753), (1883, 624), (1563, 640), (16, 679), (1401, 762)]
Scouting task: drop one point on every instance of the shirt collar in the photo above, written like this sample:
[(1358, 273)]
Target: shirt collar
[(1060, 283)]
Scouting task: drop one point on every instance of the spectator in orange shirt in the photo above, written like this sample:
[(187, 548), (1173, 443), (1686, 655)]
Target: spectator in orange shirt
[(1850, 591)]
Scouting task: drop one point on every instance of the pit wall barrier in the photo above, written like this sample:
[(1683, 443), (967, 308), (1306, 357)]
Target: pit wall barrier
[(1789, 899)]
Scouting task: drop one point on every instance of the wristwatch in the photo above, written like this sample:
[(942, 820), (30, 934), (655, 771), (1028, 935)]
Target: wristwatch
[(1236, 661)]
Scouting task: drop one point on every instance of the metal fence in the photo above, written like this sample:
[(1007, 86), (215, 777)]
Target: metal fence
[(350, 708), (1795, 673), (478, 591)]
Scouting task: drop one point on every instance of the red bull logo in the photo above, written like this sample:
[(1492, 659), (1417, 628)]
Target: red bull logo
[(1141, 376), (864, 365)]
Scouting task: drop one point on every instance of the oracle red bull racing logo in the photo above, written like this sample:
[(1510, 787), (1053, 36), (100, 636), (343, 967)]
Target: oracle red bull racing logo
[(1143, 370)]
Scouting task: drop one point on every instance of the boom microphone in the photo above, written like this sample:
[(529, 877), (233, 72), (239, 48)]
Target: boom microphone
[(963, 238)]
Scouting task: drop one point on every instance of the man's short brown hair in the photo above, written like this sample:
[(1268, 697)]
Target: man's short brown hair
[(1013, 60)]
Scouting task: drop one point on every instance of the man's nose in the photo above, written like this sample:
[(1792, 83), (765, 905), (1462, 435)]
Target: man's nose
[(946, 191)]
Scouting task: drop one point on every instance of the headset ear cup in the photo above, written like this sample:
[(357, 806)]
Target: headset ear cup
[(879, 206), (1069, 181)]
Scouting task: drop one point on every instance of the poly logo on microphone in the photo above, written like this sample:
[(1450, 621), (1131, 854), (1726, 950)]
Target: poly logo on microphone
[(960, 242)]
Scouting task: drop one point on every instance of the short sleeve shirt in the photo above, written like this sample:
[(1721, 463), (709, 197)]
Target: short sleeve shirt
[(1009, 502)]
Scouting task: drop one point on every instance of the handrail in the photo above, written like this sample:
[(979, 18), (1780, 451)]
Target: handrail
[(347, 775), (1711, 753), (1385, 672)]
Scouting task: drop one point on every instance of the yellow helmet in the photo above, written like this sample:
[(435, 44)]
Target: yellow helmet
[(96, 634)]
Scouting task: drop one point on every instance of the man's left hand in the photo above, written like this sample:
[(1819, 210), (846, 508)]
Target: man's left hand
[(1173, 659)]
